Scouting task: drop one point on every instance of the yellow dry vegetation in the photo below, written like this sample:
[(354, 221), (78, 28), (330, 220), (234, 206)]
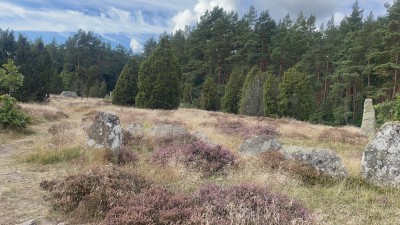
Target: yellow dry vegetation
[(55, 146)]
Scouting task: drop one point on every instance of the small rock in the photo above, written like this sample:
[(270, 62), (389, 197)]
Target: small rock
[(258, 144), (105, 132), (325, 161), (29, 222), (69, 94)]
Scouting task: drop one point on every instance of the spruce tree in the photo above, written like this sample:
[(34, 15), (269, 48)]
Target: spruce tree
[(94, 90), (158, 81), (296, 94), (231, 99), (252, 103), (126, 87), (271, 94), (209, 96)]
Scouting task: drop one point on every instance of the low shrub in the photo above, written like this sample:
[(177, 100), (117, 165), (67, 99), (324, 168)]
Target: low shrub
[(248, 204), (238, 127), (302, 171), (90, 195), (201, 156), (341, 135), (155, 205), (210, 204), (272, 159), (207, 158), (125, 156), (10, 116)]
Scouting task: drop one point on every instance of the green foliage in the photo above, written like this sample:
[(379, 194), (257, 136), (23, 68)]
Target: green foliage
[(10, 116), (209, 96), (231, 99), (251, 102), (103, 89), (158, 81), (187, 94), (10, 77), (296, 94), (126, 87), (94, 90), (387, 111), (271, 95)]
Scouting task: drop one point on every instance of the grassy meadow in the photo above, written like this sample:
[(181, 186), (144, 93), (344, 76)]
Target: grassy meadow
[(54, 146)]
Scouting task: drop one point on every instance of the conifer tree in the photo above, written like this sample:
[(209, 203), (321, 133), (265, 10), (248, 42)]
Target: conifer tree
[(296, 94), (126, 87), (252, 103), (158, 80), (209, 96), (94, 90), (102, 89), (271, 94), (233, 92)]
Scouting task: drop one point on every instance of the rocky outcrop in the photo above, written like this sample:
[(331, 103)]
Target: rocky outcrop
[(69, 94), (326, 162), (368, 125), (105, 132), (258, 144), (381, 158)]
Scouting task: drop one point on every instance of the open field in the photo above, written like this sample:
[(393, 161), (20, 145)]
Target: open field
[(55, 146)]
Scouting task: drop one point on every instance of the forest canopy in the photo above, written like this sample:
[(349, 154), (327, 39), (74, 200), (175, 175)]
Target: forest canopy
[(343, 64)]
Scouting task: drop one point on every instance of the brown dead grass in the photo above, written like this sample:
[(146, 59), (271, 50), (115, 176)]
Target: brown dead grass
[(62, 122)]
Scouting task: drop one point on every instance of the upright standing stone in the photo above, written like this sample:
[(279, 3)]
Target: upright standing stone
[(106, 132), (368, 122), (381, 158)]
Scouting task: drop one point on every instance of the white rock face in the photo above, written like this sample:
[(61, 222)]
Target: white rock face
[(368, 125), (381, 158), (258, 144), (105, 132), (325, 161)]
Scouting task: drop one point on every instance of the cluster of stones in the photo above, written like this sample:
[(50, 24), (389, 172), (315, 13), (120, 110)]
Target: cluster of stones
[(380, 161)]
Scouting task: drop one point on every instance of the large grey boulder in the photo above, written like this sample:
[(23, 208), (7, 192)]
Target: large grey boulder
[(105, 132), (381, 158), (368, 125), (69, 94), (258, 144), (326, 162)]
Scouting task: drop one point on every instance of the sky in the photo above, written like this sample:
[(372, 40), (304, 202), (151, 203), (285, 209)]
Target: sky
[(132, 22)]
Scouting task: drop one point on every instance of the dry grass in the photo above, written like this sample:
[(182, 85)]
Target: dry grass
[(60, 129)]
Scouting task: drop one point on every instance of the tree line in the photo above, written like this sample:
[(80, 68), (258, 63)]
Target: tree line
[(249, 65)]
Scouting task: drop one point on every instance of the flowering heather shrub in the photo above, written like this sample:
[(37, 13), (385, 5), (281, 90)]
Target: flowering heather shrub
[(303, 171), (248, 204), (208, 159), (210, 204), (341, 135), (238, 127), (204, 157), (167, 153), (91, 194), (272, 159), (125, 156), (155, 205)]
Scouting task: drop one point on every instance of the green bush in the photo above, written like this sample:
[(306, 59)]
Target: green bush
[(10, 116)]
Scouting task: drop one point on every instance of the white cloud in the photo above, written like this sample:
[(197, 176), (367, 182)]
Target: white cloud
[(182, 19), (136, 46), (189, 17)]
